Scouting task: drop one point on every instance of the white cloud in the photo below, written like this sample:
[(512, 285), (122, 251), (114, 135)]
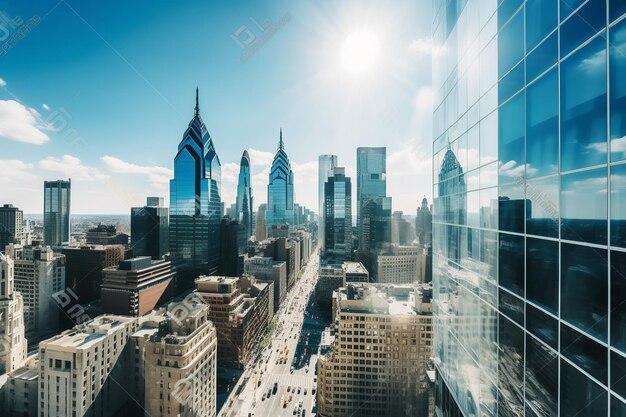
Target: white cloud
[(2, 83), (45, 107), (260, 158), (158, 176), (21, 124), (71, 167), (15, 170)]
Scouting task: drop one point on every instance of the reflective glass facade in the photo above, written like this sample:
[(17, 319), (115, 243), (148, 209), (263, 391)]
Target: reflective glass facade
[(529, 235), (372, 203), (244, 195), (325, 167), (280, 189), (338, 217), (195, 202), (56, 211)]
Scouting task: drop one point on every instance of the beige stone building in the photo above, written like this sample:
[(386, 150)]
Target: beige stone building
[(375, 365), (21, 389), (12, 334), (181, 364), (83, 371), (400, 265), (239, 308)]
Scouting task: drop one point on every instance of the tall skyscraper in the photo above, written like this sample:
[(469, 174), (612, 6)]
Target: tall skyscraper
[(325, 167), (337, 215), (261, 223), (11, 225), (195, 203), (529, 236), (244, 195), (424, 224), (12, 340), (280, 189), (373, 205), (149, 229), (56, 211)]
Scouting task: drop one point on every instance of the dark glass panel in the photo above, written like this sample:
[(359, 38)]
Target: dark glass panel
[(512, 306), (542, 378), (587, 21), (568, 6), (542, 325), (583, 107), (618, 303), (511, 140), (512, 208), (618, 374), (618, 407), (580, 396), (617, 8), (542, 215), (542, 273), (618, 205), (511, 84), (584, 206), (584, 289), (585, 352), (511, 265)]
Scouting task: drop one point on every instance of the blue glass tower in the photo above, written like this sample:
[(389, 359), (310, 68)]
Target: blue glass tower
[(244, 195), (280, 189), (195, 204), (529, 218)]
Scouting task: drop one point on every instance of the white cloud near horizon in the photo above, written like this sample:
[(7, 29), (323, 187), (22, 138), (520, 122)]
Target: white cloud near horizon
[(71, 167), (21, 124), (2, 82)]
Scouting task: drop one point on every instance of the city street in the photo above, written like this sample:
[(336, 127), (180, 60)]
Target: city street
[(283, 380)]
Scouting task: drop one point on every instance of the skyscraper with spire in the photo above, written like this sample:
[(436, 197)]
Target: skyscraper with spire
[(244, 195), (280, 189), (195, 203)]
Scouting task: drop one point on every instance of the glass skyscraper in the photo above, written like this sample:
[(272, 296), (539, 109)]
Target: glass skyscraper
[(371, 187), (149, 229), (244, 195), (56, 211), (337, 215), (325, 167), (280, 189), (529, 231), (195, 203)]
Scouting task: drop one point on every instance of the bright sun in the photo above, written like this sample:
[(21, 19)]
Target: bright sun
[(359, 51)]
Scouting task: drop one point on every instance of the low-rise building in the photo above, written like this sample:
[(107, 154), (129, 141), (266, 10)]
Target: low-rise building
[(240, 316), (267, 269), (376, 364), (400, 265), (137, 286), (355, 272)]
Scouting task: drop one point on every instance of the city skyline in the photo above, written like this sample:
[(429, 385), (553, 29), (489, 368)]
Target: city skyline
[(123, 151)]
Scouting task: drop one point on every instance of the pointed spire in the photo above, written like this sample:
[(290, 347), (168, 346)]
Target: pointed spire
[(280, 143), (197, 110)]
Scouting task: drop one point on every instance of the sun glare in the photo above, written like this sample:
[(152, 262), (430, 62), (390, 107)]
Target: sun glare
[(360, 51)]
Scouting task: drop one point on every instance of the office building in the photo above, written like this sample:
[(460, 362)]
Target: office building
[(354, 272), (56, 212), (244, 195), (11, 226), (326, 163), (528, 219), (233, 245), (105, 235), (195, 203), (280, 197), (402, 230), (267, 269), (261, 223), (376, 363), (371, 189), (12, 334), (180, 363), (283, 250), (84, 266), (239, 309), (424, 224), (149, 229), (398, 264), (83, 371), (137, 286), (330, 279), (21, 389), (39, 273), (337, 217)]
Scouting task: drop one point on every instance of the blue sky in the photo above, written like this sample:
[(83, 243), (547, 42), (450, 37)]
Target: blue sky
[(103, 94)]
